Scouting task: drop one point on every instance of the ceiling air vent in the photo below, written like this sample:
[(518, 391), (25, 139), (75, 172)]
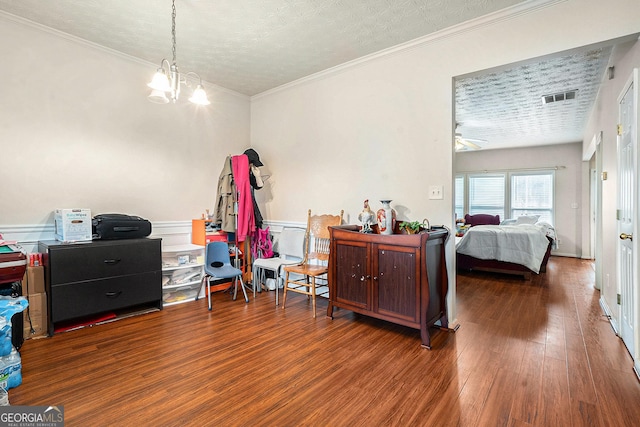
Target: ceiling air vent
[(557, 97)]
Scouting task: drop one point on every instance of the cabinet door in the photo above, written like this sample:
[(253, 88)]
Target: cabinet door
[(352, 274), (395, 286)]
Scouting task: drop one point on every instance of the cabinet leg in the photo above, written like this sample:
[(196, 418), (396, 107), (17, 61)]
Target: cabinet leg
[(426, 338), (444, 321), (330, 311)]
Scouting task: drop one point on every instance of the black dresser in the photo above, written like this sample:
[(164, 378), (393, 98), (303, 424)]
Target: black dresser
[(87, 279)]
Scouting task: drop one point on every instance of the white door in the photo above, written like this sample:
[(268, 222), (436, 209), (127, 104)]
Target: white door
[(627, 211), (593, 212)]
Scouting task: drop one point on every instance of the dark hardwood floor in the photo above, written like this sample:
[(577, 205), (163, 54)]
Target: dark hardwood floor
[(538, 353)]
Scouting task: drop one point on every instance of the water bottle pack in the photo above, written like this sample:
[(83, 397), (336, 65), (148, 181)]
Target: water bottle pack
[(10, 361), (11, 370), (5, 337)]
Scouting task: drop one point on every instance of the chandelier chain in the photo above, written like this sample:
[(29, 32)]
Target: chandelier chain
[(173, 29), (167, 82)]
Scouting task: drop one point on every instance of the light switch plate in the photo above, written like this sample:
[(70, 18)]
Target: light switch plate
[(436, 192)]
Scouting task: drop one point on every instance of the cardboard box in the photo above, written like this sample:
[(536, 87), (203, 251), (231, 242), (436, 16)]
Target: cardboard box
[(73, 225), (35, 316), (34, 281)]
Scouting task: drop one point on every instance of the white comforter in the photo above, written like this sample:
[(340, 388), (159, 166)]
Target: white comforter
[(524, 244)]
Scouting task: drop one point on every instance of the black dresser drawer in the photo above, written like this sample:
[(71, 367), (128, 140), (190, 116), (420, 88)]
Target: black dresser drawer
[(97, 260), (79, 299), (87, 279)]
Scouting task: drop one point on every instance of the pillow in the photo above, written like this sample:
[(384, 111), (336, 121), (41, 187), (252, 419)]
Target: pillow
[(508, 222), (527, 219), (481, 219)]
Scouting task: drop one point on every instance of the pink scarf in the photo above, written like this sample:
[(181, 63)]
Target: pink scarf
[(246, 219)]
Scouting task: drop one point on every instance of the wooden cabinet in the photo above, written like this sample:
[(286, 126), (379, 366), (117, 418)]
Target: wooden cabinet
[(399, 278), (87, 279)]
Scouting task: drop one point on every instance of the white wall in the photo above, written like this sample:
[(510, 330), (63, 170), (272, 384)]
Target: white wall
[(568, 183), (355, 135), (604, 119), (77, 130)]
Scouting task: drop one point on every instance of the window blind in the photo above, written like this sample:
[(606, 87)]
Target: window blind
[(459, 190), (487, 194)]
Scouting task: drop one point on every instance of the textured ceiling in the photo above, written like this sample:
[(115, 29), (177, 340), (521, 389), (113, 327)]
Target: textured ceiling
[(251, 46), (504, 108)]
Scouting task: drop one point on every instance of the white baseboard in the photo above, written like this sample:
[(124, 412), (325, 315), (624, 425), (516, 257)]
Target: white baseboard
[(564, 254), (607, 311)]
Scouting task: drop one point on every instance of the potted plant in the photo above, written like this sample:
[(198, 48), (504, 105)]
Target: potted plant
[(410, 227)]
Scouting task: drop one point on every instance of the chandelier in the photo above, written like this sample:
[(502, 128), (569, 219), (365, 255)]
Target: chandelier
[(166, 82)]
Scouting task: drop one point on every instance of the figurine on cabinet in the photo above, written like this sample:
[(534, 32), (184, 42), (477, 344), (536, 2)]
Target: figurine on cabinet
[(367, 217)]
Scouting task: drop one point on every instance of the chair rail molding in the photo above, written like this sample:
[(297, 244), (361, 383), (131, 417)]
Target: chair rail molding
[(172, 232), (28, 235), (276, 227)]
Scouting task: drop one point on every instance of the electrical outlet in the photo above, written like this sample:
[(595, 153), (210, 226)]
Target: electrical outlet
[(436, 192)]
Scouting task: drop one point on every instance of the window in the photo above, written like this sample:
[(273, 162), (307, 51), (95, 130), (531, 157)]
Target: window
[(459, 191), (486, 194), (532, 194), (509, 194)]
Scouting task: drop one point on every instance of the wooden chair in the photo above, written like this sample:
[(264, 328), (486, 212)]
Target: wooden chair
[(316, 258)]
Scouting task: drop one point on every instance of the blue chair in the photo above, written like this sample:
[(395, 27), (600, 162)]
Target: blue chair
[(218, 266)]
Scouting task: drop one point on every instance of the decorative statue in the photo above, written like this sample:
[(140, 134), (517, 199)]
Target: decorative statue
[(367, 217)]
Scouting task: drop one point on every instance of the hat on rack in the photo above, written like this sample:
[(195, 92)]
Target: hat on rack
[(253, 156), (255, 178)]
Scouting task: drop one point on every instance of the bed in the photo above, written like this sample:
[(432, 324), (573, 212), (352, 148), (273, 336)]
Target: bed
[(520, 246)]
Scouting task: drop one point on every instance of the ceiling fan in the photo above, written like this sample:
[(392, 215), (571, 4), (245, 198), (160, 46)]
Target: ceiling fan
[(468, 144)]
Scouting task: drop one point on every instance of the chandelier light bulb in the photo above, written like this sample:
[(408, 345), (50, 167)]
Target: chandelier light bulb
[(199, 96), (160, 81), (158, 97)]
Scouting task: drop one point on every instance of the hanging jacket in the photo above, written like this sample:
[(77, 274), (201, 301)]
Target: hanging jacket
[(224, 214)]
